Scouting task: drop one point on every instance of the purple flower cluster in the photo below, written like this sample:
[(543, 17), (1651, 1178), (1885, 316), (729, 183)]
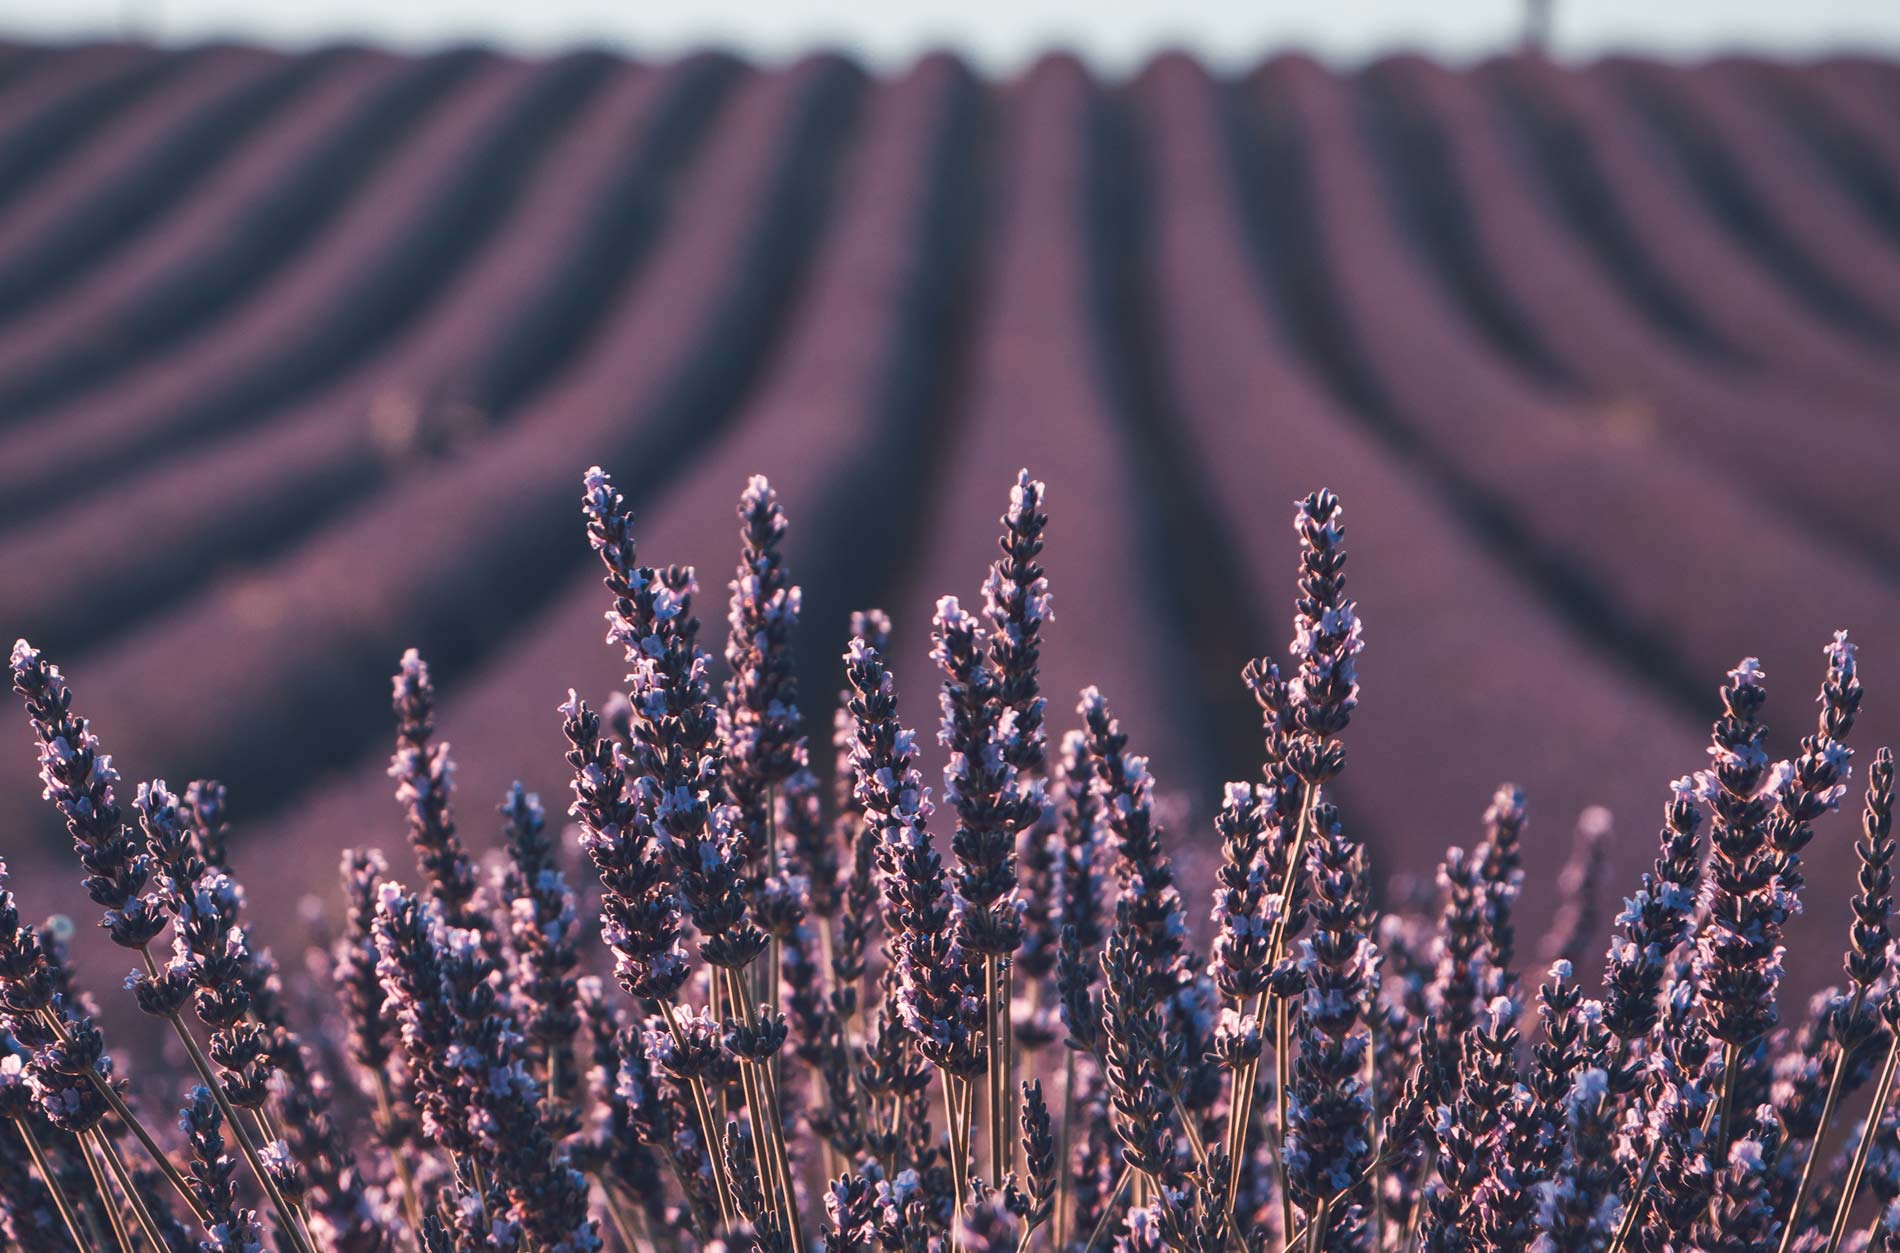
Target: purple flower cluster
[(764, 739), (425, 788), (832, 1030)]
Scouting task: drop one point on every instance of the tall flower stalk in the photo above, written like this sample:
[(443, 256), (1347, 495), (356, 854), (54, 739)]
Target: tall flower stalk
[(938, 994), (833, 1029), (81, 782), (1303, 719)]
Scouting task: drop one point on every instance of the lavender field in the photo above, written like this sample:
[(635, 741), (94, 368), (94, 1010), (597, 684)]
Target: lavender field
[(302, 358)]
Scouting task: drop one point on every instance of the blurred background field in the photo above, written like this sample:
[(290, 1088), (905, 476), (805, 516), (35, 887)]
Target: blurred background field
[(305, 342)]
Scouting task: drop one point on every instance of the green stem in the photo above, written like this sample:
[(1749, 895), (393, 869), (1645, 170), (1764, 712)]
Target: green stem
[(1827, 1116), (767, 1110), (1108, 1210), (994, 1076), (52, 1184), (1318, 1228), (1374, 1148), (619, 1220), (1060, 1231), (106, 1201), (1852, 1185), (704, 1108), (285, 1217), (1627, 1226), (132, 1124), (203, 1064), (959, 1155), (1725, 1118), (1282, 1076), (1237, 1127), (385, 1109), (139, 1209)]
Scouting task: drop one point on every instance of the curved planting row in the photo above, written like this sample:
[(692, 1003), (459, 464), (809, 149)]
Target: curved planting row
[(877, 300), (1731, 289), (285, 474), (1862, 99), (1454, 641), (382, 267), (238, 249), (211, 218), (19, 63), (1041, 393), (387, 259), (302, 357), (1670, 570), (472, 547), (53, 113), (1851, 135), (1679, 562), (130, 177), (1796, 193), (1736, 195), (1729, 415)]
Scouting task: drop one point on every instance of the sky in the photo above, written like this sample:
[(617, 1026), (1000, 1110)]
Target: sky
[(998, 34)]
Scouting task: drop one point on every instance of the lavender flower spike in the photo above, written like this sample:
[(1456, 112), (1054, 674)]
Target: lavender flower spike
[(425, 788), (543, 932), (765, 739), (1016, 601), (232, 1229), (1738, 961), (1328, 1136), (639, 906), (681, 787), (1653, 923), (80, 780), (979, 783), (935, 982), (1819, 773), (1327, 640)]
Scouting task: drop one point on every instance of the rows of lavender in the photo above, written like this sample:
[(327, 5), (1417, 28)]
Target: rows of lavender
[(825, 1035)]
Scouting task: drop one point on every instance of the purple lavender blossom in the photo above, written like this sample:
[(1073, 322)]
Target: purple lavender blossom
[(425, 788), (1149, 908), (79, 780), (1131, 1041), (1501, 862), (1327, 640), (939, 996), (680, 784), (547, 1197), (543, 932), (980, 784), (1653, 923), (1738, 960), (1243, 928), (231, 1228), (509, 1106), (1867, 957), (1076, 910), (765, 738), (1016, 601), (407, 931), (1459, 976), (1328, 1134), (640, 908), (1819, 773)]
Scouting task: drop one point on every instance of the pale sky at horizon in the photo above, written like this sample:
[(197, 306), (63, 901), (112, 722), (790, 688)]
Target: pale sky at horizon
[(998, 34)]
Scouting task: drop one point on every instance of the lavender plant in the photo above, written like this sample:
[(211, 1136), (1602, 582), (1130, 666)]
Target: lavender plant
[(800, 1020)]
